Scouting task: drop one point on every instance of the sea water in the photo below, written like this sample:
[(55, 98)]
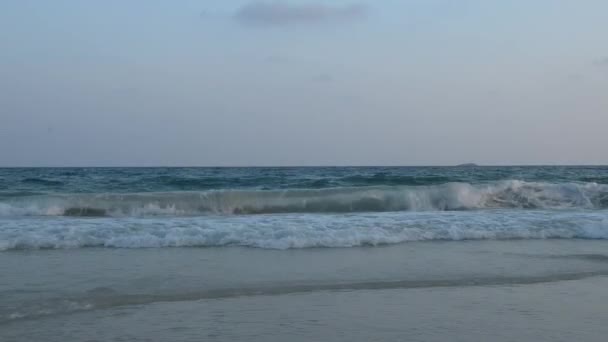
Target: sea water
[(335, 254)]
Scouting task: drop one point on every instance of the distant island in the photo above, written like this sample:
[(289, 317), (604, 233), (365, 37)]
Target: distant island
[(467, 165)]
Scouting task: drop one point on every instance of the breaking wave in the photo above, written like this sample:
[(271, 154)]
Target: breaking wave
[(300, 230), (511, 194)]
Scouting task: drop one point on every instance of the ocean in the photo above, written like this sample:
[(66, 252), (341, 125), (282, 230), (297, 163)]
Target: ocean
[(304, 254)]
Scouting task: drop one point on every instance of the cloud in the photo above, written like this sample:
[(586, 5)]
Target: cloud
[(276, 59), (280, 13), (601, 62), (575, 77), (323, 78)]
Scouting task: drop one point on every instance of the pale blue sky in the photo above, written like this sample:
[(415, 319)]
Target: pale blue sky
[(410, 82)]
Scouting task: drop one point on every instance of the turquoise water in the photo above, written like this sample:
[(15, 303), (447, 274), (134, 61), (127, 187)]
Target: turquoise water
[(28, 181)]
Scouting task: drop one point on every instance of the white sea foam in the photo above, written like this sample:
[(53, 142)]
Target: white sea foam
[(41, 309), (300, 230), (451, 196)]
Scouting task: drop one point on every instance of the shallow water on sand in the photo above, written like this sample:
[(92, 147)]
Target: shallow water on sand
[(535, 290)]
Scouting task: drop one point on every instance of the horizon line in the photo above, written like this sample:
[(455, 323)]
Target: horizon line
[(465, 165)]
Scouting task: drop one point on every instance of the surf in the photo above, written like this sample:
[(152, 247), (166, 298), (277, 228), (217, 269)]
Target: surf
[(287, 231), (454, 196)]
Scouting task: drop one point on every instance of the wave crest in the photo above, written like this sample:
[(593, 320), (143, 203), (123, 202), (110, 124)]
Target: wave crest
[(450, 196)]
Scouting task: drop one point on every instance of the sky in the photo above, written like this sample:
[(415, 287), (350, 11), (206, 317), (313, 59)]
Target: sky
[(303, 82)]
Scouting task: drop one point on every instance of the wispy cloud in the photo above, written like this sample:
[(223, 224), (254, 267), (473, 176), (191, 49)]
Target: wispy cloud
[(276, 59), (280, 13), (601, 62), (323, 78)]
